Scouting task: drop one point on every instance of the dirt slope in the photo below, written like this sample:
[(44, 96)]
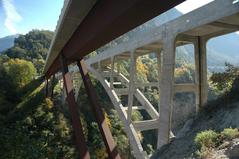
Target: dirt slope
[(216, 119)]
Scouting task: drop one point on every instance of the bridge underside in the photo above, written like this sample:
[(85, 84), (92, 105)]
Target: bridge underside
[(196, 28), (217, 18), (86, 25)]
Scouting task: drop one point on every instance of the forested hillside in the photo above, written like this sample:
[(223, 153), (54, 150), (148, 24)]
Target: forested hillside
[(32, 47), (31, 126), (213, 133)]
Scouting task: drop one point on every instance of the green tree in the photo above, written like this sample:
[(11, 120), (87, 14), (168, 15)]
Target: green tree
[(21, 72), (223, 80), (32, 47)]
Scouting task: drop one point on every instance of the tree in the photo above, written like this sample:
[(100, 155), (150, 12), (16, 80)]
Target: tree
[(223, 80), (21, 72), (32, 47), (184, 74)]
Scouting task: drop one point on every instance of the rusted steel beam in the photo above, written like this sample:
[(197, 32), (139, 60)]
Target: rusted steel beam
[(76, 123), (46, 87), (102, 123), (52, 85)]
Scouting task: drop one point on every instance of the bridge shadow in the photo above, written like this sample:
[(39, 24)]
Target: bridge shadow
[(30, 87), (32, 97)]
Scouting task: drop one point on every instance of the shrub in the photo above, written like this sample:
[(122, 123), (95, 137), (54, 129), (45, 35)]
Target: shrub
[(21, 72), (206, 138), (229, 133), (49, 103), (204, 153)]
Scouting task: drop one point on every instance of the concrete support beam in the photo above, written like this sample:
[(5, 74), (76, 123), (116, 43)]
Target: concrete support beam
[(188, 87), (202, 57), (141, 98), (197, 74), (118, 66), (135, 108), (129, 128), (122, 91), (159, 64), (117, 83), (146, 125), (112, 72), (225, 25), (106, 73), (99, 66), (145, 103), (150, 84), (132, 75), (166, 88)]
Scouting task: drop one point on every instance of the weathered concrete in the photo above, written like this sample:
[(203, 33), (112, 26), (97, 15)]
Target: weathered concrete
[(131, 93), (167, 90), (203, 85)]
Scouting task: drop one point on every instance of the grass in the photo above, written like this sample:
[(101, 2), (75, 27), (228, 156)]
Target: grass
[(229, 133), (206, 138), (207, 141)]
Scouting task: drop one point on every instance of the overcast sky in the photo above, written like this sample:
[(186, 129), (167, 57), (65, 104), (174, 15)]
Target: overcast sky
[(21, 16)]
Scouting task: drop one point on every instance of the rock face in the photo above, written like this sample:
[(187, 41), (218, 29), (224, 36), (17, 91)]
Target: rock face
[(228, 150), (183, 108), (186, 128), (233, 151), (183, 146)]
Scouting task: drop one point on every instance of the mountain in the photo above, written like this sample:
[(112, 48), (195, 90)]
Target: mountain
[(219, 50), (226, 47), (7, 42)]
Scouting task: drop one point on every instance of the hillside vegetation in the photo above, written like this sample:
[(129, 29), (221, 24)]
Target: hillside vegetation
[(214, 132), (31, 126)]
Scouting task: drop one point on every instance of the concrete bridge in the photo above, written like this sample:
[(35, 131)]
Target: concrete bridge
[(197, 27)]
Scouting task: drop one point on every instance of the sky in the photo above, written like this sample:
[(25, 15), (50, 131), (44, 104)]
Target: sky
[(21, 16), (190, 5)]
